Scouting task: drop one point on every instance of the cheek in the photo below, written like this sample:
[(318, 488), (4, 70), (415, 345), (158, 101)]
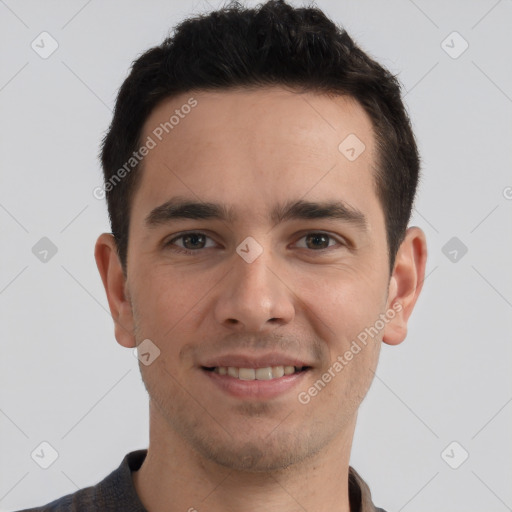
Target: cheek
[(167, 302), (344, 311), (341, 301)]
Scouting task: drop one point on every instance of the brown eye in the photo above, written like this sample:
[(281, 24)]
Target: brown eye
[(318, 241), (189, 243), (193, 241)]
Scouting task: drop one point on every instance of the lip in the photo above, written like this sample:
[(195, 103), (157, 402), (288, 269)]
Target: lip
[(254, 389), (251, 361)]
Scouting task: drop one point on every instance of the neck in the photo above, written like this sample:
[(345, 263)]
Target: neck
[(174, 477)]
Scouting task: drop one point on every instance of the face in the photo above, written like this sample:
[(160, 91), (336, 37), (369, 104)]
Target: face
[(281, 262)]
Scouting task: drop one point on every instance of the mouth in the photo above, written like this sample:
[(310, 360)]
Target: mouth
[(262, 373), (260, 383)]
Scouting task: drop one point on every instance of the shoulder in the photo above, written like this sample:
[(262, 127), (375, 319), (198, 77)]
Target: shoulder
[(81, 500), (113, 493)]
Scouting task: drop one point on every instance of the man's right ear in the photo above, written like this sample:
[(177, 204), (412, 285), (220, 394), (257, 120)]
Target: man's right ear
[(111, 271)]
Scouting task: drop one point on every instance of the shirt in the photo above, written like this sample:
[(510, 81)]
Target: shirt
[(116, 492)]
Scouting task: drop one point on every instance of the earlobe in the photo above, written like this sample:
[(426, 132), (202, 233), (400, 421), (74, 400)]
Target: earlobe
[(405, 284), (111, 272)]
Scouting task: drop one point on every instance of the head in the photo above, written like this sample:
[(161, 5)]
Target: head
[(269, 133)]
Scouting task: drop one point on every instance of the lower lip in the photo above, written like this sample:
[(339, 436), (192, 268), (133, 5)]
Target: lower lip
[(255, 389)]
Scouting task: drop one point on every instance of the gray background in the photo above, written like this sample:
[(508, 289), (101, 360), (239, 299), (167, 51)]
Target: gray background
[(65, 380)]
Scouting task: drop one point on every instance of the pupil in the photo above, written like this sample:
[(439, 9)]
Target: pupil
[(318, 237), (194, 238)]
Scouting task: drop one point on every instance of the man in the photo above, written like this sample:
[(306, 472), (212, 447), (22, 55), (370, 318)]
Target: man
[(260, 172)]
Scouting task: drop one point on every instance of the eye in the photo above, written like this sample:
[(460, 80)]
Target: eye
[(191, 242), (319, 241)]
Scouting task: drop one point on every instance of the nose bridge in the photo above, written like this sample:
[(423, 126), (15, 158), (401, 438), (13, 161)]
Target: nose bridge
[(253, 295), (254, 274)]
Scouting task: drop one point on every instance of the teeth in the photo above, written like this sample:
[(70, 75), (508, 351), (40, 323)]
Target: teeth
[(277, 371), (246, 373), (268, 373), (263, 374)]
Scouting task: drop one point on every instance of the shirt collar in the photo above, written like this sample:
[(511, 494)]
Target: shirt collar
[(360, 497)]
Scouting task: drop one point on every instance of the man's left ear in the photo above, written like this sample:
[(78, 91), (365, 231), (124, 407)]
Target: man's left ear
[(405, 284)]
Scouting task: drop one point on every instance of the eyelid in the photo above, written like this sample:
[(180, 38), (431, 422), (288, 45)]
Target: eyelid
[(341, 241), (178, 236)]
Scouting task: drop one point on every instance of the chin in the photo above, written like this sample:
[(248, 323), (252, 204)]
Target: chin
[(251, 457)]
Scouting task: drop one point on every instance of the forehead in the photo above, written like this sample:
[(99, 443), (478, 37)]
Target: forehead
[(258, 145)]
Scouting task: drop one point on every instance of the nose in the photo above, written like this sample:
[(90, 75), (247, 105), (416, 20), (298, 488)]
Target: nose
[(255, 296)]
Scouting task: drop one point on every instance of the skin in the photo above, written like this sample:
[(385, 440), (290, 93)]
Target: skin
[(251, 150)]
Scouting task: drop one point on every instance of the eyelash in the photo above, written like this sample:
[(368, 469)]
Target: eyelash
[(191, 252)]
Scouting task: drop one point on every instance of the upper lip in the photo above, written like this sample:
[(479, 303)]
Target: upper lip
[(253, 361)]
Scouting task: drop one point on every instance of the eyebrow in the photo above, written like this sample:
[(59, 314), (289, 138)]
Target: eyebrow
[(184, 208)]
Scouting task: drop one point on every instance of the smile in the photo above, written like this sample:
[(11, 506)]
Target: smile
[(261, 383), (266, 373)]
